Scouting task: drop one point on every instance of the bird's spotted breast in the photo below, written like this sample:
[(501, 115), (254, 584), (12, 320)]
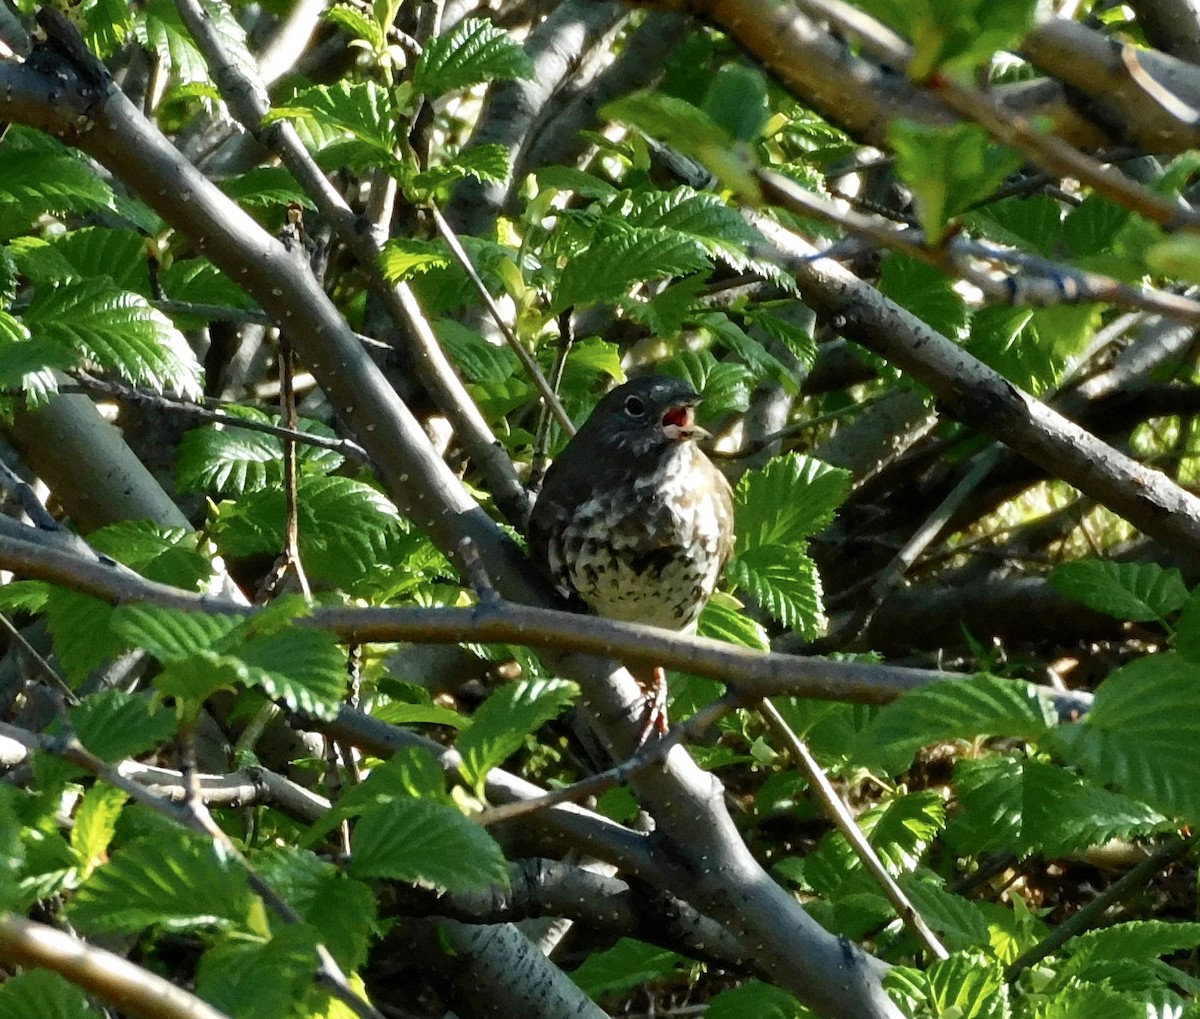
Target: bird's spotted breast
[(654, 557)]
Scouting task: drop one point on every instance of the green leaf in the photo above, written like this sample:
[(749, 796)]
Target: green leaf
[(1142, 734), (95, 824), (175, 881), (265, 187), (948, 169), (613, 264), (737, 100), (958, 35), (1187, 628), (1143, 592), (955, 709), (359, 109), (257, 979), (756, 999), (348, 529), (159, 28), (627, 964), (79, 625), (785, 582), (171, 634), (903, 827), (343, 912), (1177, 255), (1092, 226), (118, 330), (198, 281), (777, 509), (500, 725), (232, 461), (473, 51), (115, 725), (691, 132), (968, 986), (169, 555), (723, 619), (927, 293), (426, 843), (42, 994), (961, 923), (89, 253), (36, 182), (789, 500), (1024, 806)]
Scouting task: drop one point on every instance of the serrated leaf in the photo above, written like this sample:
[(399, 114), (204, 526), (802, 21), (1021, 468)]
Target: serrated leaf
[(181, 882), (757, 999), (1023, 806), (341, 909), (168, 555), (948, 169), (86, 254), (790, 499), (79, 625), (266, 186), (114, 724), (198, 281), (118, 330), (1143, 592), (232, 461), (360, 109), (347, 528), (1142, 734), (473, 51), (160, 29), (42, 994), (961, 922), (692, 132), (95, 824), (737, 100), (926, 292), (611, 265), (171, 634), (723, 619), (33, 183), (480, 162), (500, 725), (800, 342), (955, 709), (627, 964), (903, 827), (259, 979), (785, 582), (426, 843)]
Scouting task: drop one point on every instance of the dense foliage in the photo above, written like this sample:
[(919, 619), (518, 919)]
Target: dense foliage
[(289, 725)]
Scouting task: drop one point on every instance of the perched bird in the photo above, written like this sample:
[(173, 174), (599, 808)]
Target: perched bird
[(633, 519)]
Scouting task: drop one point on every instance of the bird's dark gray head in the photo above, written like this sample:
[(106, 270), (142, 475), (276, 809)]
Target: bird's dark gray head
[(643, 417)]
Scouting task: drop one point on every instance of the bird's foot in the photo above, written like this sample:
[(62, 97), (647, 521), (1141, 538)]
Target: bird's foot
[(656, 707)]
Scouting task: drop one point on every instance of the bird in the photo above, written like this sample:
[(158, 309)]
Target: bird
[(633, 520)]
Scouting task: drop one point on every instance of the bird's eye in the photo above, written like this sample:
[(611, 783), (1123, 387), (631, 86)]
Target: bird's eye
[(635, 407)]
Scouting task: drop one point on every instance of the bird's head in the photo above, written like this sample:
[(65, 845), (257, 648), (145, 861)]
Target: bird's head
[(646, 416)]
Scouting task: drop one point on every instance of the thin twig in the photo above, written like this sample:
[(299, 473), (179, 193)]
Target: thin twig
[(840, 814), (210, 410), (653, 751), (49, 673), (532, 369), (1006, 125), (1090, 914)]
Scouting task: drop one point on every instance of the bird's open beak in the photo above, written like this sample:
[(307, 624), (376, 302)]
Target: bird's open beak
[(679, 424)]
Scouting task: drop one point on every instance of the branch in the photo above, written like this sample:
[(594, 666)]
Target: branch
[(984, 399), (751, 674), (135, 990)]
